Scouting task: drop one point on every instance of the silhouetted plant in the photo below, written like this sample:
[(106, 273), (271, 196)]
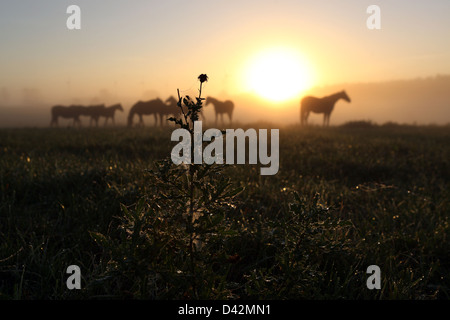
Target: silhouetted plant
[(179, 220)]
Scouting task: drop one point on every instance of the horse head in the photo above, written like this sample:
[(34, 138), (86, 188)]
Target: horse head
[(171, 100), (132, 112), (345, 96)]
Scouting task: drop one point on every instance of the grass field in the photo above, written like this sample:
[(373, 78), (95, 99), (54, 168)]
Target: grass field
[(344, 198)]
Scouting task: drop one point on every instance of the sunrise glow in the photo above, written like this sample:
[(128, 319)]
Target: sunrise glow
[(278, 74)]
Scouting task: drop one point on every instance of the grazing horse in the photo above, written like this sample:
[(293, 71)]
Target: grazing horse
[(145, 108), (73, 111), (109, 112), (221, 107), (320, 105), (170, 108), (94, 112)]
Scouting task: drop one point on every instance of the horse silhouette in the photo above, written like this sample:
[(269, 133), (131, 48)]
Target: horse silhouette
[(110, 111), (323, 105), (101, 111), (68, 112), (145, 108), (169, 109), (94, 112), (157, 107), (221, 107)]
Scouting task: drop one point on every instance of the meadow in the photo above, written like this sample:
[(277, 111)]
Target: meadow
[(345, 198)]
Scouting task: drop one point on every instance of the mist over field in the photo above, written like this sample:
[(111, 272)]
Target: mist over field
[(420, 101)]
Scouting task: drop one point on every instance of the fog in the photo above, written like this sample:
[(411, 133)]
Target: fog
[(414, 101)]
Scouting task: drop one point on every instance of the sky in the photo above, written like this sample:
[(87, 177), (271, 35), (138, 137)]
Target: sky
[(141, 48)]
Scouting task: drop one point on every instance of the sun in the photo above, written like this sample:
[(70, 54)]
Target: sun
[(278, 74)]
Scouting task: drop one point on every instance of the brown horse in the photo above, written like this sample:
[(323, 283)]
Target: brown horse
[(170, 108), (145, 108), (68, 112), (221, 107), (94, 112), (101, 111), (109, 112), (323, 105)]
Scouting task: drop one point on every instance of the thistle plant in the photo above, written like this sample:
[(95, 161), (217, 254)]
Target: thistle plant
[(190, 115), (208, 192), (171, 239)]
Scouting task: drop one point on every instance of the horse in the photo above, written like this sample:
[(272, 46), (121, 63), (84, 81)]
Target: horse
[(221, 107), (109, 112), (145, 108), (101, 111), (94, 112), (323, 105), (170, 108), (73, 111)]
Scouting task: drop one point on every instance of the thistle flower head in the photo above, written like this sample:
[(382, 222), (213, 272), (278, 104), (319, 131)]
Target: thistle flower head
[(203, 78)]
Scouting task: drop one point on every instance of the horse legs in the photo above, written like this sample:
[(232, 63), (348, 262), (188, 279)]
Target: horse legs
[(302, 115), (95, 119), (141, 121), (54, 121), (326, 119), (304, 118), (203, 116), (76, 121), (106, 120)]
